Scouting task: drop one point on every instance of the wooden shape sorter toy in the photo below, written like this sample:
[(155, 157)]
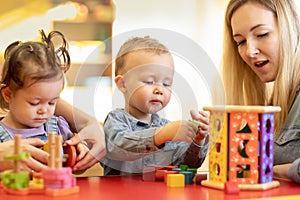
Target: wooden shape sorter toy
[(241, 146)]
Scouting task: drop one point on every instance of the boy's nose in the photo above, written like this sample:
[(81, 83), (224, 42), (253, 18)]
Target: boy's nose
[(157, 91)]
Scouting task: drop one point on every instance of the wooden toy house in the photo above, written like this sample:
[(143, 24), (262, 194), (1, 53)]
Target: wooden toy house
[(241, 146)]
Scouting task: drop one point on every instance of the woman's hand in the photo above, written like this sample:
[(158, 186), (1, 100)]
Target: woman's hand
[(92, 134), (281, 171)]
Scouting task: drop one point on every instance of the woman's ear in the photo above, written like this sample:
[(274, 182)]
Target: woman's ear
[(6, 93), (119, 80)]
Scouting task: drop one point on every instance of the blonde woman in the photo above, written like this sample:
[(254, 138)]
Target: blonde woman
[(261, 66)]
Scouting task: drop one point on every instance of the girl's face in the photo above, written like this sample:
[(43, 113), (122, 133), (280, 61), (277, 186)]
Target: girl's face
[(32, 106), (147, 83), (255, 32)]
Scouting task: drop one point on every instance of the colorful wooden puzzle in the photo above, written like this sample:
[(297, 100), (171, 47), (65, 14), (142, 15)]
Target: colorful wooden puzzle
[(53, 181), (241, 146)]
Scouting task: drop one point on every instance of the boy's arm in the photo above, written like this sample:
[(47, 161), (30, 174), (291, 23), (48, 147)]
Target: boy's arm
[(195, 154), (125, 142)]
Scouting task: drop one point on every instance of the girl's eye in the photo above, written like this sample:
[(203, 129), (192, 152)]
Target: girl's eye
[(166, 85), (33, 104)]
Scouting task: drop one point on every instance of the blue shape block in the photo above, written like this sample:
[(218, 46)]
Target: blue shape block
[(188, 177), (177, 169)]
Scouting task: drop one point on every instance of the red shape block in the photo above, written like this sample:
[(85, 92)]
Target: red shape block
[(231, 187)]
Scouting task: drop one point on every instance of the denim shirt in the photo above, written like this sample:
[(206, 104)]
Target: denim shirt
[(130, 145), (287, 145)]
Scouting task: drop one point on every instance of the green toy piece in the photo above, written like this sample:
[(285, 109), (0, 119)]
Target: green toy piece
[(15, 180)]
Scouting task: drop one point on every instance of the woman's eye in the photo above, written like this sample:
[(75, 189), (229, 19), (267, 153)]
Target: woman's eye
[(240, 42), (262, 35)]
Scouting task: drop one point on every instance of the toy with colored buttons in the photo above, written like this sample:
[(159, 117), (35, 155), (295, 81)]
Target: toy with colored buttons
[(241, 148), (173, 176)]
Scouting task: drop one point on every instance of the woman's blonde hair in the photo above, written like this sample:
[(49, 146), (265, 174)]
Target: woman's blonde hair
[(242, 85)]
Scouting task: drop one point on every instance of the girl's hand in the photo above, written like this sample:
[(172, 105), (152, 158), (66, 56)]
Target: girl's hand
[(34, 163)]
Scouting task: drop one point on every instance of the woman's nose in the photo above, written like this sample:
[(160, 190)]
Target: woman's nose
[(252, 50)]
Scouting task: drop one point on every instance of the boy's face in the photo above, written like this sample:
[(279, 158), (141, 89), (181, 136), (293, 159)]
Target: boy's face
[(147, 83), (34, 105)]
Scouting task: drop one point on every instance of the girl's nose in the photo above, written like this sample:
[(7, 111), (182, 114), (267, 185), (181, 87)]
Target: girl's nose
[(41, 111)]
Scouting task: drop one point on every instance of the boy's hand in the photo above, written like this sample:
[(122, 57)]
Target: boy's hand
[(175, 131), (202, 118)]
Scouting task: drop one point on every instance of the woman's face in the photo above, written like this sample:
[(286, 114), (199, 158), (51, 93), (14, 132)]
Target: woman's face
[(255, 32)]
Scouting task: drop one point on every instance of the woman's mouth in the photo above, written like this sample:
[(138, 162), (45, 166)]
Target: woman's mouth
[(261, 63)]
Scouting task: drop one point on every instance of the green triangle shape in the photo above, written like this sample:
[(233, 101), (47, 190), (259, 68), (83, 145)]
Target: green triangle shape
[(245, 129)]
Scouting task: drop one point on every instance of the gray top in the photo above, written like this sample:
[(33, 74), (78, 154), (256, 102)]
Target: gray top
[(287, 145)]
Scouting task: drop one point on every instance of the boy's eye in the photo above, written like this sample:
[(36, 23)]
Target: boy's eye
[(52, 103), (148, 82)]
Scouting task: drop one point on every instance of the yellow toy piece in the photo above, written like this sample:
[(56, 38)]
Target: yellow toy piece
[(175, 180)]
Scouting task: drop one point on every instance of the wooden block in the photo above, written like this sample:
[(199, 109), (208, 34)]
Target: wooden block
[(200, 177), (169, 172), (188, 177), (231, 187), (177, 169), (183, 167), (149, 174), (170, 167), (175, 180), (160, 174)]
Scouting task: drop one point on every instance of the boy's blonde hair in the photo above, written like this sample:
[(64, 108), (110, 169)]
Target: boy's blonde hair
[(145, 44)]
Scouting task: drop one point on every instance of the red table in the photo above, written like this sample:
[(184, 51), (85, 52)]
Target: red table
[(132, 187)]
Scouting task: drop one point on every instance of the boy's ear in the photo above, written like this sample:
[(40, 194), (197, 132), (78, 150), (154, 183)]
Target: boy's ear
[(119, 80), (6, 93)]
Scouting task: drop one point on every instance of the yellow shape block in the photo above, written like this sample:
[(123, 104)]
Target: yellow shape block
[(175, 180)]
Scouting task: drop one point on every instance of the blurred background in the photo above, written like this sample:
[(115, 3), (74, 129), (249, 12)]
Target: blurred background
[(94, 29)]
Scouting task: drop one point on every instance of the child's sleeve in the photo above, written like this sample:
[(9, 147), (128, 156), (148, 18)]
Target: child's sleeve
[(195, 154), (124, 141), (64, 128), (294, 171)]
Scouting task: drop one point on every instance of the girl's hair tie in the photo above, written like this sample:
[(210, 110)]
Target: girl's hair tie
[(29, 48)]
